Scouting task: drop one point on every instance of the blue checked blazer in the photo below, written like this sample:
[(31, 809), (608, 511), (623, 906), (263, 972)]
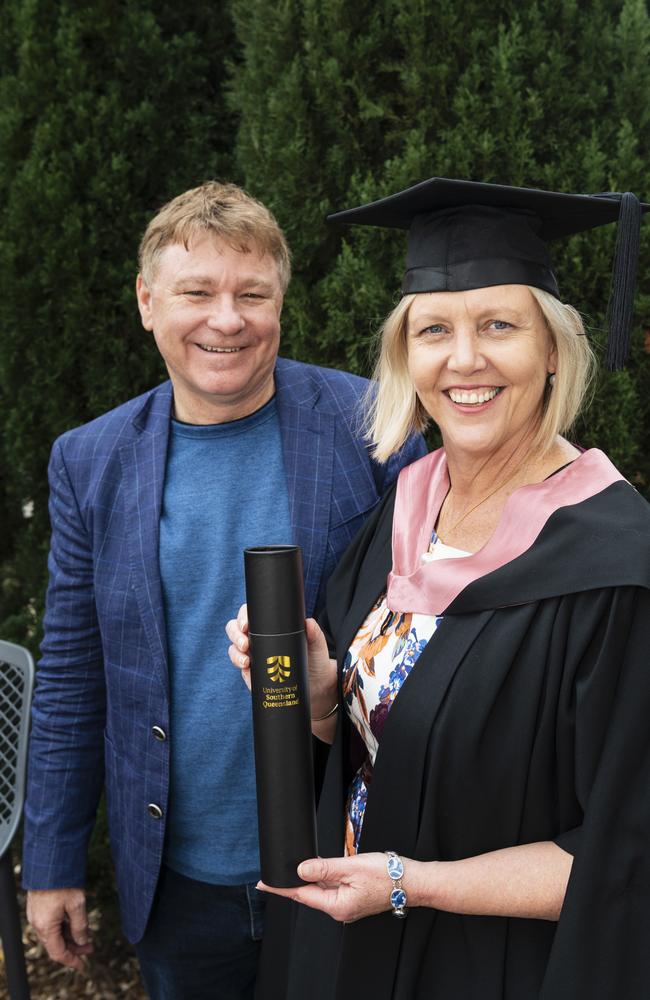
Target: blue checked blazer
[(102, 682)]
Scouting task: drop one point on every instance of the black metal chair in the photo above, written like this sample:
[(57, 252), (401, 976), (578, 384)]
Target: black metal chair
[(16, 683)]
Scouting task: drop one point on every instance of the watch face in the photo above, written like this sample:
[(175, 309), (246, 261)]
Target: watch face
[(398, 899), (395, 867)]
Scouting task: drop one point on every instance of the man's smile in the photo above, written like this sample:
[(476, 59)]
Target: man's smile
[(219, 350)]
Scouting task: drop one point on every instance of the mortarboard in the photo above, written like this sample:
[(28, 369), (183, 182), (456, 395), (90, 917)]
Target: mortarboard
[(465, 234)]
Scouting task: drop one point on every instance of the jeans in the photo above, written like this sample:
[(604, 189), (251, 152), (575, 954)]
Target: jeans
[(202, 941)]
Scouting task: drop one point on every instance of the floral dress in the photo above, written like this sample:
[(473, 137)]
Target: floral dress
[(381, 657)]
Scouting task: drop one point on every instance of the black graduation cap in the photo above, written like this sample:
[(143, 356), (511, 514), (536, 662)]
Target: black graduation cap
[(465, 234)]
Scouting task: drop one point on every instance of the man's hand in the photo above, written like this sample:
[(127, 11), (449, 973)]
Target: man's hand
[(59, 918)]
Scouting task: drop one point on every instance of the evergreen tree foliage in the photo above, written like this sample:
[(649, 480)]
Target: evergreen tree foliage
[(343, 103), (106, 110)]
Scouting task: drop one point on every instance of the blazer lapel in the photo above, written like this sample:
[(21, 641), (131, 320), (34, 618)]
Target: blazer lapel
[(143, 466), (308, 452)]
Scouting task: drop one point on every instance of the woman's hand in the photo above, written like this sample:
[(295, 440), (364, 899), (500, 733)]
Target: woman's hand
[(345, 888), (528, 881), (322, 669)]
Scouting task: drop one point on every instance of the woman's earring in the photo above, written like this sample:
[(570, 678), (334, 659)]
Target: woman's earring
[(551, 379)]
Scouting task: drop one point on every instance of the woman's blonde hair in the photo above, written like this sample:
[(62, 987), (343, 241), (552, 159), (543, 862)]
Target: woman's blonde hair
[(394, 410), (226, 211)]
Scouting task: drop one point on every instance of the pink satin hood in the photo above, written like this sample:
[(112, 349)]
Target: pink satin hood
[(429, 588)]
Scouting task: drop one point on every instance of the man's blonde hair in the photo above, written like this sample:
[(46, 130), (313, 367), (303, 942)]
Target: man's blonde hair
[(394, 411), (224, 210)]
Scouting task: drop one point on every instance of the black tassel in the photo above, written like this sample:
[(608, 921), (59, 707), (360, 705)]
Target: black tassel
[(621, 301)]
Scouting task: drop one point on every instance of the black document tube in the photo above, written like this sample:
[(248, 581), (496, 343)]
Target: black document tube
[(281, 711)]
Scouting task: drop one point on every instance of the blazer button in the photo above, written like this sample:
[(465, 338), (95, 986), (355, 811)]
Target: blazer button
[(158, 733), (154, 810)]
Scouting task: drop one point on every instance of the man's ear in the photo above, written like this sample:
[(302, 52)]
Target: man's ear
[(143, 295)]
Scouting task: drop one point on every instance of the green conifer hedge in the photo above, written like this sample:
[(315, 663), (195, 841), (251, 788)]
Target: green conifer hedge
[(108, 109), (342, 103)]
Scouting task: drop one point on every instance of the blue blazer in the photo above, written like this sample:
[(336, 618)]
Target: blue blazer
[(102, 684)]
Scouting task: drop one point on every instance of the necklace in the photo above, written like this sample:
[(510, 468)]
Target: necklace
[(482, 501)]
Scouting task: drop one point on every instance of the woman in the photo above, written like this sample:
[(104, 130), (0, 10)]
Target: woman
[(492, 626)]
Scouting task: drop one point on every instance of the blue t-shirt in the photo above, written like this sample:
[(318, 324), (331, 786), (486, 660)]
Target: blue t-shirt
[(225, 490)]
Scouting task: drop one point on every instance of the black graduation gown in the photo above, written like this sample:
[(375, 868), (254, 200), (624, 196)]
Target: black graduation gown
[(526, 718)]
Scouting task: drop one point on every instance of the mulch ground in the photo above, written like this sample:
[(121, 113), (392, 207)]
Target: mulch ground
[(112, 970)]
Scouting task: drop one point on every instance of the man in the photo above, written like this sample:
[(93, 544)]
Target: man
[(151, 506)]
